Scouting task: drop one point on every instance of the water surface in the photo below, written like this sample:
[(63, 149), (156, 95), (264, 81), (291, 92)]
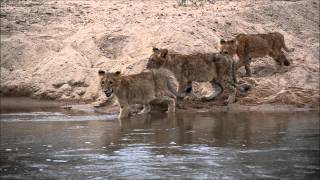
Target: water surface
[(58, 144)]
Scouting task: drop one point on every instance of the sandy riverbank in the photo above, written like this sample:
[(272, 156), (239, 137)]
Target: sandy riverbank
[(53, 49)]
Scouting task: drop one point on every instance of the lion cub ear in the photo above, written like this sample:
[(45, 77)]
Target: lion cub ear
[(154, 49), (222, 41), (118, 73), (101, 73), (164, 52)]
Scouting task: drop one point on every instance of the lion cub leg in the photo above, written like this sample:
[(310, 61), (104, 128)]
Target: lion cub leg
[(146, 109), (244, 61), (279, 68), (284, 61), (248, 70), (232, 95), (124, 111), (247, 62), (184, 88), (171, 103), (281, 60)]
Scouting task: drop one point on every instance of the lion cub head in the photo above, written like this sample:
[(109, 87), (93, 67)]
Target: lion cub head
[(228, 47), (109, 81), (157, 59)]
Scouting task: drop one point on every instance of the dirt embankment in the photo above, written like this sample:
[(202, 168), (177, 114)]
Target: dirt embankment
[(53, 49)]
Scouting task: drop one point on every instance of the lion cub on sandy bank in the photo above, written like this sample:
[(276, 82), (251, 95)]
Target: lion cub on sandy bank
[(140, 88), (248, 46), (200, 67)]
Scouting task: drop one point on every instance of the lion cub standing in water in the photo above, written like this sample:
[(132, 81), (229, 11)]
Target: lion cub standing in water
[(140, 89), (248, 46)]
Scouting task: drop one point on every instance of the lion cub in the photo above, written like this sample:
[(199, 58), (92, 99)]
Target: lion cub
[(215, 68), (140, 89), (248, 46)]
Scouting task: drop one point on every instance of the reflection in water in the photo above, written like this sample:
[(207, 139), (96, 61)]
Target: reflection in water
[(186, 145)]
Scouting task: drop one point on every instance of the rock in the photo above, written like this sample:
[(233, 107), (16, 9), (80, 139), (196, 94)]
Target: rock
[(67, 107), (65, 87), (52, 95), (48, 13), (65, 97), (80, 92), (130, 66), (75, 96), (58, 84), (78, 83)]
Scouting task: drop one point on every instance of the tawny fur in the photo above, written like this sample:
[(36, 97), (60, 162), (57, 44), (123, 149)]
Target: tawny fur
[(140, 88), (248, 46), (200, 67)]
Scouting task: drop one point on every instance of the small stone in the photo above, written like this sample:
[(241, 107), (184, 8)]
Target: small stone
[(75, 96), (59, 161), (79, 83), (58, 84), (67, 107), (66, 87), (80, 92), (65, 97), (130, 66)]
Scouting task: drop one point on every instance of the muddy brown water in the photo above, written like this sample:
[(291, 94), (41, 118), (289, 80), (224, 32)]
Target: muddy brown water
[(51, 143)]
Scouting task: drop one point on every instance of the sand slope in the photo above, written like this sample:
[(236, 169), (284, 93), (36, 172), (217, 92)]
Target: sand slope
[(53, 49)]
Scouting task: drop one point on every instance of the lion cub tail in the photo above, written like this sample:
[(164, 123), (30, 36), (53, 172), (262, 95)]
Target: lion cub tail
[(284, 45), (233, 71)]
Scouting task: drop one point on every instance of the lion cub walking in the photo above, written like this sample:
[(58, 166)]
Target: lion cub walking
[(140, 89), (200, 67), (248, 46)]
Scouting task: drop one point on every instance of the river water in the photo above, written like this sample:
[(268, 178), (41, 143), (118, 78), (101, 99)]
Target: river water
[(51, 143)]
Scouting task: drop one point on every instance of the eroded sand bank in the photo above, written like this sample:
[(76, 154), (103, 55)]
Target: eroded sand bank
[(53, 49)]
